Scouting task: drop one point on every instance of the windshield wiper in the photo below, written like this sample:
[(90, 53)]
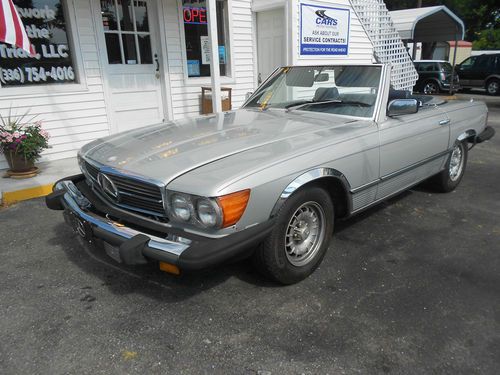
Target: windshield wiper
[(361, 104), (333, 101), (305, 103)]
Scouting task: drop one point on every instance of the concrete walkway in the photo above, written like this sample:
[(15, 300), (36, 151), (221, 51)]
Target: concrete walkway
[(14, 190)]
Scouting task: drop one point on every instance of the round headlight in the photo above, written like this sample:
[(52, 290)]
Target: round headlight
[(208, 214), (181, 207)]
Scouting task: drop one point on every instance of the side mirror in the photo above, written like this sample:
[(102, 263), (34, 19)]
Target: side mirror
[(248, 95), (399, 107)]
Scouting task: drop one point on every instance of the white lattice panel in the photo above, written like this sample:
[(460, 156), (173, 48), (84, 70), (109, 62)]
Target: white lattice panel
[(387, 44)]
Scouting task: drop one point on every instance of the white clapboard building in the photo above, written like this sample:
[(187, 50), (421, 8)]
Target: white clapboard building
[(105, 66)]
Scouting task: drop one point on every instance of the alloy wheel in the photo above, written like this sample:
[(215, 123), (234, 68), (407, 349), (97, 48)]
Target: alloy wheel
[(456, 162), (430, 88), (305, 233), (493, 87)]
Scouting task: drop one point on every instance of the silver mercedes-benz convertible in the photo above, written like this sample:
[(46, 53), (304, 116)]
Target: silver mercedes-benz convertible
[(312, 145)]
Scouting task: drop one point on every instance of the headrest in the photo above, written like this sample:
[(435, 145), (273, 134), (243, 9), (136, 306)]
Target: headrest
[(326, 93), (398, 94)]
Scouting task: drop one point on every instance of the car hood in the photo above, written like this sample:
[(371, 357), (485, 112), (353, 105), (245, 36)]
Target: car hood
[(165, 151)]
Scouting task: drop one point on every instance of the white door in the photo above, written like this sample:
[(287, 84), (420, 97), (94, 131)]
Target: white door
[(271, 52), (130, 39)]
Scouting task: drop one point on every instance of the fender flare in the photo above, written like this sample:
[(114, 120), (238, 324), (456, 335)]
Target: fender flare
[(490, 77), (468, 134), (309, 176)]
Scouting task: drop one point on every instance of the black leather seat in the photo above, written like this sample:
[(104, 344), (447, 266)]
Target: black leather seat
[(399, 94), (326, 93)]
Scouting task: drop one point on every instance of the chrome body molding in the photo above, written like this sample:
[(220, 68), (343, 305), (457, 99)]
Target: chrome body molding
[(365, 186), (78, 205), (312, 175), (415, 165), (400, 172)]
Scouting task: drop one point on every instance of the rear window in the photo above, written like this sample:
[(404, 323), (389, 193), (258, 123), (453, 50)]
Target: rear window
[(446, 67), (427, 67)]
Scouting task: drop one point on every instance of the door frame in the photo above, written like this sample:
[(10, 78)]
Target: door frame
[(160, 41), (257, 8)]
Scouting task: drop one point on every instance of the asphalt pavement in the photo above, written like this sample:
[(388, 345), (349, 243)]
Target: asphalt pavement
[(409, 287)]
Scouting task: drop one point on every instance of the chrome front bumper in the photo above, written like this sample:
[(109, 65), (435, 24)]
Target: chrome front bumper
[(134, 243), (77, 205)]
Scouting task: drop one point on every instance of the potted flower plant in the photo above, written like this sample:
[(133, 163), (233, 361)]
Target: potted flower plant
[(22, 142)]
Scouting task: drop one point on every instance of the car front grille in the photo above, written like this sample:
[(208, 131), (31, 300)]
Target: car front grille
[(132, 194)]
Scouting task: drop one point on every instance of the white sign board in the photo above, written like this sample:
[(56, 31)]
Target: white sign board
[(205, 50), (324, 30)]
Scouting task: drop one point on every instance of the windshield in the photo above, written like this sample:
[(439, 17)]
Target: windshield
[(343, 90)]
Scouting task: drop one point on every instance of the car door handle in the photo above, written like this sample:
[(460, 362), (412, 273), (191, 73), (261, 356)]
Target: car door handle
[(444, 122)]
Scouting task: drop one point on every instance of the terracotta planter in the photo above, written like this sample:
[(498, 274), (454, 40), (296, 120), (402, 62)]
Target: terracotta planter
[(18, 163)]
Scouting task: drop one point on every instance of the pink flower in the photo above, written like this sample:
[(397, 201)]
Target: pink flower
[(16, 134), (45, 134)]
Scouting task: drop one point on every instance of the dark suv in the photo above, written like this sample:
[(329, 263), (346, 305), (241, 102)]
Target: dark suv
[(481, 71), (434, 76)]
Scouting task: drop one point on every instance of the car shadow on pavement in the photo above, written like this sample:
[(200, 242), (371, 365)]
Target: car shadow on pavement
[(148, 279)]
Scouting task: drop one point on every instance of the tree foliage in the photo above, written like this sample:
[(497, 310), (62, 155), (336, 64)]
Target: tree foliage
[(488, 39), (477, 15)]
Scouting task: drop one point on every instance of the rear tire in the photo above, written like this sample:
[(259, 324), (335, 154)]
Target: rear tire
[(430, 88), (448, 179), (302, 233), (493, 86)]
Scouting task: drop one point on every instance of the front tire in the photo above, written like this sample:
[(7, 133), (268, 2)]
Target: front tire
[(300, 238), (451, 176)]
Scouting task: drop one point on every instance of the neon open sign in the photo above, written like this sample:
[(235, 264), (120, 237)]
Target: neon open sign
[(195, 15)]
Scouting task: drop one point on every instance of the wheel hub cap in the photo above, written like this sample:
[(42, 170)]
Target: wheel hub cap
[(456, 163), (305, 233), (301, 232), (430, 88)]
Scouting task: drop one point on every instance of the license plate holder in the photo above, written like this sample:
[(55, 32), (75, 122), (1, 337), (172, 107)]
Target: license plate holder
[(113, 252)]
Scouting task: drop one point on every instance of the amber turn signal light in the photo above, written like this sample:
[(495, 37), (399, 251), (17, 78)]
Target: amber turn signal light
[(170, 268), (233, 205)]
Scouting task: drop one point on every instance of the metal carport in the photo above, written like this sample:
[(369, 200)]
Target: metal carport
[(429, 24)]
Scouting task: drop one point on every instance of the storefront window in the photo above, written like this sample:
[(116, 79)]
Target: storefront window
[(194, 14), (46, 26), (126, 31)]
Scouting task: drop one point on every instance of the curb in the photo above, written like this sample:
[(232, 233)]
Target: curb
[(10, 197)]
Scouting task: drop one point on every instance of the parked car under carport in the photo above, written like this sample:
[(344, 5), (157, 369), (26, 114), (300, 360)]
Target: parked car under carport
[(434, 76)]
